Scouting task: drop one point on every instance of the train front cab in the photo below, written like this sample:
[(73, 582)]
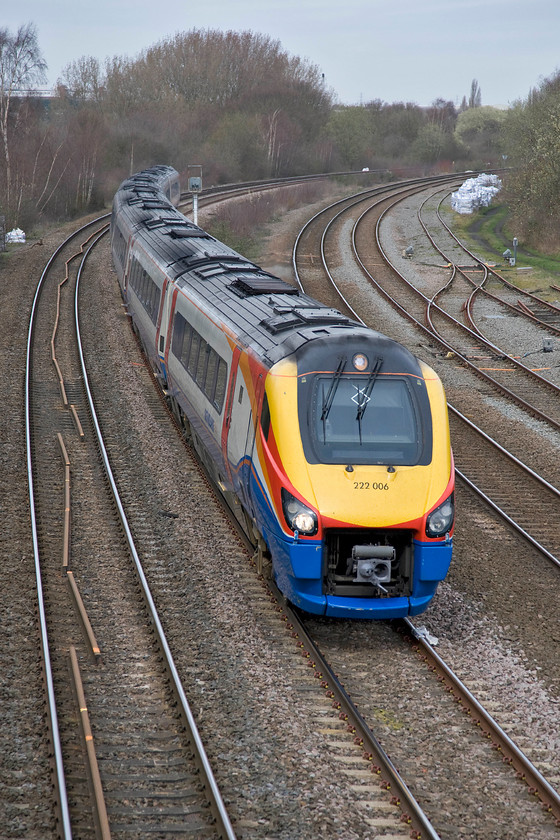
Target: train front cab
[(374, 539)]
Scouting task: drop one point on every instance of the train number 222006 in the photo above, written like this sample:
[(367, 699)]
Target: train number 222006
[(373, 485)]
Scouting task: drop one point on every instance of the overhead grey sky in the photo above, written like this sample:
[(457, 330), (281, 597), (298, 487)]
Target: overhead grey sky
[(392, 50)]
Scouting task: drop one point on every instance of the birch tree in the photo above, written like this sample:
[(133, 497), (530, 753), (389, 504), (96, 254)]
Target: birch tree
[(21, 67)]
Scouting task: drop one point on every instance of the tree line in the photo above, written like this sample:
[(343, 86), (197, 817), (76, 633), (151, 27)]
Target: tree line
[(243, 108)]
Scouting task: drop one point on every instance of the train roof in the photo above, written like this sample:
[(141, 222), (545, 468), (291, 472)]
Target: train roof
[(266, 314)]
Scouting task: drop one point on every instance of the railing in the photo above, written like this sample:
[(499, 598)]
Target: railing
[(39, 93)]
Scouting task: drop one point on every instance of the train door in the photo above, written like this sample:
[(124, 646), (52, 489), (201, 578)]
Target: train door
[(228, 412), (250, 440), (236, 432), (168, 314), (126, 271), (162, 325)]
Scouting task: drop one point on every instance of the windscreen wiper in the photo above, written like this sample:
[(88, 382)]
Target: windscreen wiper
[(328, 400), (366, 393)]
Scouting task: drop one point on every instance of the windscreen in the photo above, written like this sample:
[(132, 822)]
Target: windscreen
[(361, 420)]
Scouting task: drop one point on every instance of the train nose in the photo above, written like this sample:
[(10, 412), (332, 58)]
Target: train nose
[(372, 563)]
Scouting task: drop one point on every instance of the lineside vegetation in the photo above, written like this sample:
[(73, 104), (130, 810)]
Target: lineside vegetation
[(242, 107)]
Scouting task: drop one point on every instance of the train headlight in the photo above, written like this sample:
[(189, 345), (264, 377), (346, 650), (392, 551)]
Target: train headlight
[(298, 516), (360, 361), (440, 520)]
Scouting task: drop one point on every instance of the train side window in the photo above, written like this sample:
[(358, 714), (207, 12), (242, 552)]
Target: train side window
[(210, 379), (138, 279), (146, 290), (119, 245), (142, 286), (181, 341), (202, 362), (150, 297), (221, 383), (156, 298), (193, 356), (186, 349), (178, 335), (133, 278)]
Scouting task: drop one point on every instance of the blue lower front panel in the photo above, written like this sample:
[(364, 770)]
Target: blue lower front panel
[(298, 574)]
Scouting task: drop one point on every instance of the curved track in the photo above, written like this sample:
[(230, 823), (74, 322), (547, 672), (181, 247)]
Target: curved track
[(486, 280), (144, 754), (362, 225)]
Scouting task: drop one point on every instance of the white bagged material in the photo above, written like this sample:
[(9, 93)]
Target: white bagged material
[(15, 235), (475, 192)]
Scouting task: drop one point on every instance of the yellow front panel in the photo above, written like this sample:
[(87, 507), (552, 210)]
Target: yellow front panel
[(369, 496)]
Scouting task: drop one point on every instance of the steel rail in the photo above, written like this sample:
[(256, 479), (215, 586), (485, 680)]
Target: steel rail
[(475, 336), (359, 197), (220, 812), (511, 522), (222, 193), (456, 269), (504, 451), (348, 203), (487, 272), (411, 809), (60, 780), (538, 785), (490, 270)]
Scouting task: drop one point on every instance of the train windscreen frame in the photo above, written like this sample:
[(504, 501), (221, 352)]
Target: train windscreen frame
[(348, 419)]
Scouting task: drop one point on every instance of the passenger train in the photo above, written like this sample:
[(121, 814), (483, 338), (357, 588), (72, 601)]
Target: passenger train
[(328, 439)]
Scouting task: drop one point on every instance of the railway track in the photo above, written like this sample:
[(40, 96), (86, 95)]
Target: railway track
[(486, 280), (124, 706), (491, 363), (296, 700), (470, 444), (429, 731), (186, 577), (505, 482)]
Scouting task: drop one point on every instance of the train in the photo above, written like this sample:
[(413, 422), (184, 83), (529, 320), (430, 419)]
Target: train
[(328, 439)]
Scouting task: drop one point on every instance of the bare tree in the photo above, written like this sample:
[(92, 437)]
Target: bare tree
[(83, 80), (21, 67)]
